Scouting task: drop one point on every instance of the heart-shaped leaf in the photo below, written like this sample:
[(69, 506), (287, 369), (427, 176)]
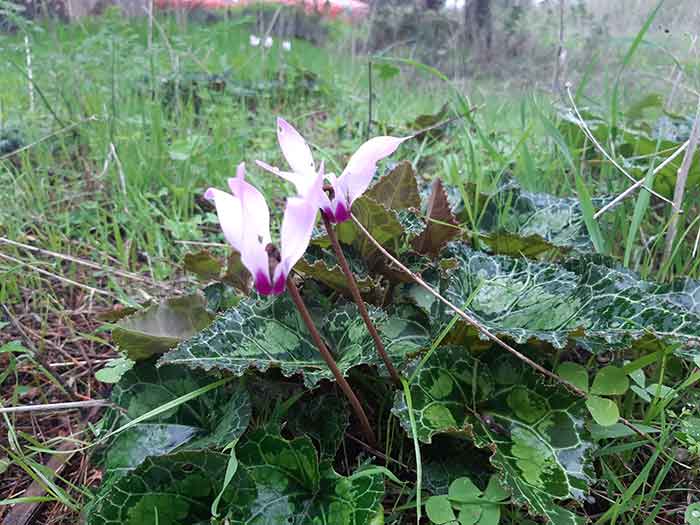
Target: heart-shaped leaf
[(439, 510), (582, 302), (270, 333), (161, 326), (514, 221), (604, 411), (292, 487), (575, 374), (610, 381), (168, 490), (211, 421)]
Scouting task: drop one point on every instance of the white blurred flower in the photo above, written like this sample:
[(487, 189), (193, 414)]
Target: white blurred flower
[(254, 40), (287, 45), (268, 41)]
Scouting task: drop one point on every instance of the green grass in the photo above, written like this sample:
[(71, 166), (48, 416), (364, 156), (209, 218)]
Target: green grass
[(102, 79)]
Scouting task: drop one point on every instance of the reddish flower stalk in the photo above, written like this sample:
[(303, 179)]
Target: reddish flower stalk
[(328, 358), (355, 291)]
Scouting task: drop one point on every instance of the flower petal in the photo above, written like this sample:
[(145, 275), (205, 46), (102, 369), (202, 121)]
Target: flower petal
[(295, 149), (340, 205), (310, 188), (254, 208), (229, 211), (315, 195), (255, 258), (254, 230), (295, 178), (297, 226), (358, 174)]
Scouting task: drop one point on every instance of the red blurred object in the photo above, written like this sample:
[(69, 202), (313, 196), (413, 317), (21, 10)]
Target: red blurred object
[(352, 9)]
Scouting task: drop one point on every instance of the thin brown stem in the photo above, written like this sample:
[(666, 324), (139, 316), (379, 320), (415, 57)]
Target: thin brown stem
[(469, 319), (587, 132), (37, 354), (681, 181), (485, 331), (355, 291), (328, 358)]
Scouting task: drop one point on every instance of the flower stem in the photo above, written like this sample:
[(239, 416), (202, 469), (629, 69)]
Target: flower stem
[(328, 358), (355, 291)]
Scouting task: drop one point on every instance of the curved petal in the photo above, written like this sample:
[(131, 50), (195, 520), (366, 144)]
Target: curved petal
[(294, 178), (310, 188), (297, 226), (358, 174), (255, 258), (254, 230), (316, 196), (341, 200), (229, 211), (254, 208), (330, 177), (295, 149)]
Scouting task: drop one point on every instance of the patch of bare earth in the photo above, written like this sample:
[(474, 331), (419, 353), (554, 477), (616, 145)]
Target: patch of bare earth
[(66, 352)]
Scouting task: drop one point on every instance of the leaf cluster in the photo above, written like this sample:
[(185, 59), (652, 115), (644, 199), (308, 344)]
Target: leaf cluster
[(225, 412)]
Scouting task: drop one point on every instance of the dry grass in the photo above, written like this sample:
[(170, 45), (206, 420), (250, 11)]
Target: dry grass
[(69, 360)]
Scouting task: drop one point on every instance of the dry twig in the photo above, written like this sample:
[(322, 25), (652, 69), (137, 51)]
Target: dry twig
[(681, 180), (587, 132)]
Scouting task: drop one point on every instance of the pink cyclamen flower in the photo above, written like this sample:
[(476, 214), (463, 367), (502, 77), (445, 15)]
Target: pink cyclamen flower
[(351, 184), (245, 221)]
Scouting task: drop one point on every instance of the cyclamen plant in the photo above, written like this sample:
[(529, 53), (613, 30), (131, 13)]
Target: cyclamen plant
[(345, 190), (539, 436), (245, 221)]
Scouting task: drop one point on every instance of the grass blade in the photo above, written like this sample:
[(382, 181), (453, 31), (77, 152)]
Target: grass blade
[(588, 211), (625, 62)]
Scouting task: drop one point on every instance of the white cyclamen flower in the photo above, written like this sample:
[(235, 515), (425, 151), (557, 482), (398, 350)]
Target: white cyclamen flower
[(287, 45), (268, 41), (254, 40)]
